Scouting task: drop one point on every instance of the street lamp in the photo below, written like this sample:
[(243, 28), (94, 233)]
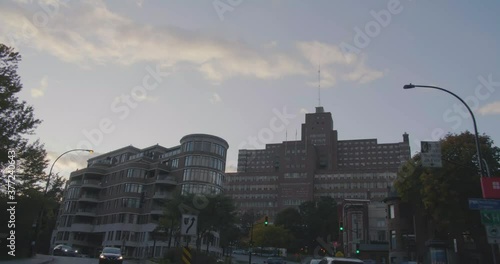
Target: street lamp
[(40, 215), (53, 163), (478, 146)]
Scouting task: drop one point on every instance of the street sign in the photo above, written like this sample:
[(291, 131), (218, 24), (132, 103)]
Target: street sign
[(189, 224), (484, 204), (490, 187), (490, 217), (493, 233), (431, 154)]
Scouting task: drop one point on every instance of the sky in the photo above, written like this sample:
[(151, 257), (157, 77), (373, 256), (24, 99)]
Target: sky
[(104, 75)]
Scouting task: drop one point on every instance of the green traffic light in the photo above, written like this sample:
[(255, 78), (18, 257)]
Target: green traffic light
[(357, 251)]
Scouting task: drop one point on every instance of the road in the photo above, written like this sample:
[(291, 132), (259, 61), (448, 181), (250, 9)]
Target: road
[(255, 259), (71, 260)]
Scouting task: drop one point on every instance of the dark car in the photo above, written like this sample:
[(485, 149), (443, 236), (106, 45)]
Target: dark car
[(275, 260), (111, 255), (64, 250)]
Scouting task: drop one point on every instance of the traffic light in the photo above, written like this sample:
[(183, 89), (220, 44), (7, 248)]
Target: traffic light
[(266, 221), (357, 248), (341, 226)]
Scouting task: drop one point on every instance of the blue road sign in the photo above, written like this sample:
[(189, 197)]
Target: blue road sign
[(484, 204)]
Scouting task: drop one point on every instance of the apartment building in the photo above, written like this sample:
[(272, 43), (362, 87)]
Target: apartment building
[(118, 199)]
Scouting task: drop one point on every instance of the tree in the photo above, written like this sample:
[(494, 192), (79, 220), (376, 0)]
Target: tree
[(27, 161), (16, 117), (320, 220), (215, 213), (271, 236), (441, 195), (17, 121), (291, 219)]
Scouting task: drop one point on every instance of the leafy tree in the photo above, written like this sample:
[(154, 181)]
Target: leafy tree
[(291, 219), (271, 236), (320, 220), (440, 195), (26, 160), (215, 213), (16, 117), (17, 121)]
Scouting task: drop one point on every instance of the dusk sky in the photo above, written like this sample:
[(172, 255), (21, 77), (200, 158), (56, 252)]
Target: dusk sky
[(105, 75)]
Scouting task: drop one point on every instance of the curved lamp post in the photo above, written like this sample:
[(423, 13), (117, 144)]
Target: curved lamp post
[(40, 215), (478, 147), (54, 163)]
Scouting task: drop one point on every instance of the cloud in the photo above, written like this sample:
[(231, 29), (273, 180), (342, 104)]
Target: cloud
[(336, 65), (88, 33), (215, 98), (40, 91), (69, 162), (140, 3), (490, 109), (271, 44), (303, 111)]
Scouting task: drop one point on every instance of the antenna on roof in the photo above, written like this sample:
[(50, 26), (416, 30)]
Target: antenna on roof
[(319, 84)]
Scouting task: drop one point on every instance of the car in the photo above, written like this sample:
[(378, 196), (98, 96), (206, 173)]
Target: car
[(314, 261), (111, 255), (64, 250), (240, 252), (336, 260), (275, 260)]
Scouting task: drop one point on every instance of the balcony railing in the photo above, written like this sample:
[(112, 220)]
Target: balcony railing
[(164, 179), (162, 195), (86, 211), (91, 183)]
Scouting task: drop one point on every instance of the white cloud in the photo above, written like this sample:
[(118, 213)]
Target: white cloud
[(271, 44), (139, 3), (334, 65), (87, 33), (303, 111), (362, 74), (40, 91), (490, 109), (215, 98), (69, 162)]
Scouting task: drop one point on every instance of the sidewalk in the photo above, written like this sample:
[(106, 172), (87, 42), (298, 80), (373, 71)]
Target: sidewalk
[(38, 259)]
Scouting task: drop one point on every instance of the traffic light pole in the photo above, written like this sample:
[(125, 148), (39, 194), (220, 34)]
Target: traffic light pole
[(251, 239)]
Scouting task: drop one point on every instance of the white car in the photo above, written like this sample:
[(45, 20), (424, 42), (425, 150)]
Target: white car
[(335, 260)]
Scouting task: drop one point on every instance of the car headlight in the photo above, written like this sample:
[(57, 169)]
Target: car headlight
[(65, 250), (120, 257), (76, 251), (102, 256)]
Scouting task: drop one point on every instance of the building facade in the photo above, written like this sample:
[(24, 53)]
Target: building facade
[(118, 199), (356, 173), (319, 164)]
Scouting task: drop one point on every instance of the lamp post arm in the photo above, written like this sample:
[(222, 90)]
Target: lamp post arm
[(476, 134), (54, 163)]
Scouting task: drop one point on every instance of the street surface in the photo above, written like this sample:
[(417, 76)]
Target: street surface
[(72, 260), (255, 259)]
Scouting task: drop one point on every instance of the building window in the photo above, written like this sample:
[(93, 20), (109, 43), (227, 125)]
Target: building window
[(393, 239), (391, 211), (381, 235)]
